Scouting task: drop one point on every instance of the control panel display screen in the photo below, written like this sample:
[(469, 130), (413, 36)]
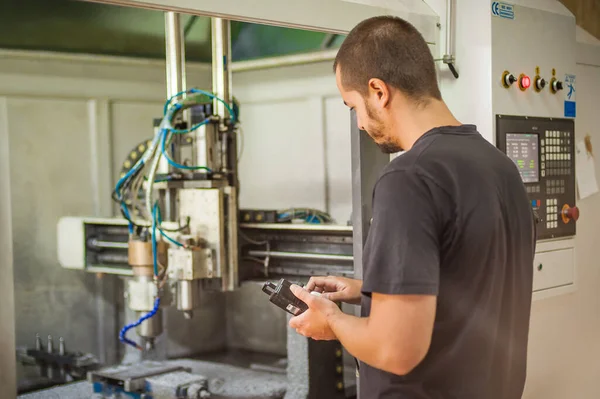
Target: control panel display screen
[(523, 149)]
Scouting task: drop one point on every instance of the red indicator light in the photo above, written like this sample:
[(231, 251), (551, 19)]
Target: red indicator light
[(524, 82)]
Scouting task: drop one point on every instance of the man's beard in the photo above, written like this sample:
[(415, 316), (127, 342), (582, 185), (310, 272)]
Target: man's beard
[(385, 144)]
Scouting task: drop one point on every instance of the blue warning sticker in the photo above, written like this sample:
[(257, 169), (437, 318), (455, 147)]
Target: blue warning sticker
[(503, 10)]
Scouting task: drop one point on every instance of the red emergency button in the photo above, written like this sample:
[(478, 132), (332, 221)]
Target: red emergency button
[(569, 213), (524, 82)]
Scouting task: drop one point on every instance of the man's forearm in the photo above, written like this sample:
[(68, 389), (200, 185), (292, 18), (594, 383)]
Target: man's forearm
[(355, 335)]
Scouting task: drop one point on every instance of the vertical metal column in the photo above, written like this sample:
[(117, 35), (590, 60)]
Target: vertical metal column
[(221, 64), (221, 74), (225, 137), (175, 51), (8, 374), (175, 65), (367, 162)]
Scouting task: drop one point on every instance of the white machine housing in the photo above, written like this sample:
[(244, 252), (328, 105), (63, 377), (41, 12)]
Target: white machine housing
[(524, 39)]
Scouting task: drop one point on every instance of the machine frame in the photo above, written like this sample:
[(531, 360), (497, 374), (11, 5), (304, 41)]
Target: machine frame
[(338, 17)]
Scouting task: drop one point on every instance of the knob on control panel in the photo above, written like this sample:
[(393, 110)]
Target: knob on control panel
[(508, 79), (555, 85), (540, 83), (569, 213)]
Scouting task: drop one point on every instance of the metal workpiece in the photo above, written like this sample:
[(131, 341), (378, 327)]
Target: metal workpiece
[(132, 378), (178, 384), (185, 379)]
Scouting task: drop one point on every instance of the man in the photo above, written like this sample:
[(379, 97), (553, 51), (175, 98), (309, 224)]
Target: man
[(448, 262)]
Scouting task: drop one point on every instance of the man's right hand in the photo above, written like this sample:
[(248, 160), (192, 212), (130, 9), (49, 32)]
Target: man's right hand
[(336, 288)]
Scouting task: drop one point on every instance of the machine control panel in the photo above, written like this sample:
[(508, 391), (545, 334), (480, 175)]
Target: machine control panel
[(543, 149)]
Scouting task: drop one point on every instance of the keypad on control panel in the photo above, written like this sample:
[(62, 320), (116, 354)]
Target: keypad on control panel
[(552, 213), (555, 155)]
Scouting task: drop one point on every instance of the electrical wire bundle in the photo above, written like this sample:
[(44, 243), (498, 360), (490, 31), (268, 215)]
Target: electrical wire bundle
[(141, 178), (307, 214)]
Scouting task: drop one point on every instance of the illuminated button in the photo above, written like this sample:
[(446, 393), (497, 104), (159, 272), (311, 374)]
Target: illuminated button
[(543, 173), (524, 82), (569, 157)]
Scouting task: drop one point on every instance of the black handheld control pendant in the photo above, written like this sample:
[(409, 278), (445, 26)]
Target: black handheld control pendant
[(282, 296)]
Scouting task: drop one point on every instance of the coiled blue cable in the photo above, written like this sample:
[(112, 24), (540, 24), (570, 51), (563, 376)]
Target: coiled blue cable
[(123, 332)]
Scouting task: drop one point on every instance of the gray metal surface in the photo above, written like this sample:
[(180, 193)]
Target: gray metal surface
[(227, 382), (44, 187), (204, 332), (253, 323)]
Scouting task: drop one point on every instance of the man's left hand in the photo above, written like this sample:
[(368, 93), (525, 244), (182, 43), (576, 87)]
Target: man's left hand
[(314, 322)]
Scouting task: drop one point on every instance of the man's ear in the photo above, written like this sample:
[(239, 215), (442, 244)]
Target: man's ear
[(379, 91)]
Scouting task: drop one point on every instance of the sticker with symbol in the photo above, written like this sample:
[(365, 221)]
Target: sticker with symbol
[(570, 96), (503, 10)]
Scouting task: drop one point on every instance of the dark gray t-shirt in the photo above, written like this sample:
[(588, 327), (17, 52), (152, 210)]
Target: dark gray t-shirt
[(451, 218)]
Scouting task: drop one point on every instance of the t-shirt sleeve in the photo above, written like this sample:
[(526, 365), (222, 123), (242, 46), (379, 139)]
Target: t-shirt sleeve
[(402, 249)]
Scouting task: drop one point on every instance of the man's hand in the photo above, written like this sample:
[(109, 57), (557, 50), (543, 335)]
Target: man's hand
[(337, 288), (314, 322)]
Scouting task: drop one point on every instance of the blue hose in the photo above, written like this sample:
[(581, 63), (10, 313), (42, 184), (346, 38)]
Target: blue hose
[(128, 327)]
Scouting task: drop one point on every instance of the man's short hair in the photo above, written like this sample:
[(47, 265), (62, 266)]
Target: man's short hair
[(391, 49)]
